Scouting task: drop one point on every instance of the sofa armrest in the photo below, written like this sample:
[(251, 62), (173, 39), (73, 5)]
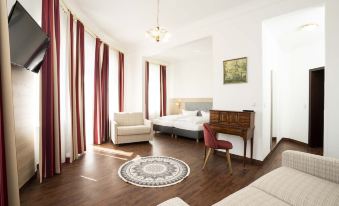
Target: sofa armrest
[(114, 135), (319, 166)]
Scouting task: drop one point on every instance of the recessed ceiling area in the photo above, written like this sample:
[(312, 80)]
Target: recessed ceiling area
[(201, 48), (127, 20), (290, 32)]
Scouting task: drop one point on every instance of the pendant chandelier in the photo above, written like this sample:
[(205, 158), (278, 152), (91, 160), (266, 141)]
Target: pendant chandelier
[(157, 33)]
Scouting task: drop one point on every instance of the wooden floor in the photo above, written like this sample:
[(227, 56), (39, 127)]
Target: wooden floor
[(93, 179)]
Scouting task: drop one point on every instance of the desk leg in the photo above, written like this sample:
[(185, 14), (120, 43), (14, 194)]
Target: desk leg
[(252, 149), (245, 147)]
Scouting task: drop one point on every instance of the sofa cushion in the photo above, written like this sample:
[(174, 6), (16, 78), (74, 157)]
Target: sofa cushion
[(129, 119), (131, 130), (250, 196), (298, 188)]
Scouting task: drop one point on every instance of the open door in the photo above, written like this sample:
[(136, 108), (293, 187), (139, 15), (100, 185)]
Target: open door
[(316, 108)]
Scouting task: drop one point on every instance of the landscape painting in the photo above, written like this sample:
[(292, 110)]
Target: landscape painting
[(235, 71)]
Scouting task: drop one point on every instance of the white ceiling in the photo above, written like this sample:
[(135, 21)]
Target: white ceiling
[(196, 49), (127, 20), (286, 28)]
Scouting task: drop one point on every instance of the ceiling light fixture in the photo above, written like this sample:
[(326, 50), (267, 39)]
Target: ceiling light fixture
[(308, 27), (158, 33)]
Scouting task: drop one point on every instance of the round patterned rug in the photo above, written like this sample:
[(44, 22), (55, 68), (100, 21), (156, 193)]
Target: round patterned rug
[(154, 171)]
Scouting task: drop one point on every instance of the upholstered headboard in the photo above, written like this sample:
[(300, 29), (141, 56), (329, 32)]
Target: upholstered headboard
[(201, 106)]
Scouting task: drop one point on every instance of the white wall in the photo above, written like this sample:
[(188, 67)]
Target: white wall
[(289, 54), (291, 88), (32, 6), (191, 78), (331, 141), (235, 44)]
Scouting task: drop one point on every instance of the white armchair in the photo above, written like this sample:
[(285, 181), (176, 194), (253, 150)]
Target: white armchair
[(131, 127)]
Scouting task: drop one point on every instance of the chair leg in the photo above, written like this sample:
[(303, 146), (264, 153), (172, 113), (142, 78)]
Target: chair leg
[(206, 158), (229, 161), (205, 154)]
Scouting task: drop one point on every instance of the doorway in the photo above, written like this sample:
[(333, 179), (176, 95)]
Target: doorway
[(316, 107)]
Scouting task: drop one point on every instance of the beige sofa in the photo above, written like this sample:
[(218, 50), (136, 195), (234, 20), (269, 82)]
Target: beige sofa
[(304, 179), (131, 127)]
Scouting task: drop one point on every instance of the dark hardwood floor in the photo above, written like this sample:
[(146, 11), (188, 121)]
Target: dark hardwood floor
[(93, 180)]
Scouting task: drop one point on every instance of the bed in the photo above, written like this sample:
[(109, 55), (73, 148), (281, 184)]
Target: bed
[(185, 125), (165, 124)]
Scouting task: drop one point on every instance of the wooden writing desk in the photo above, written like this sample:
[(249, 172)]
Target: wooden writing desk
[(234, 123)]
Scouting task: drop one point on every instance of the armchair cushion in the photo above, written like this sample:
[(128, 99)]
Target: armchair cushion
[(129, 119), (133, 130)]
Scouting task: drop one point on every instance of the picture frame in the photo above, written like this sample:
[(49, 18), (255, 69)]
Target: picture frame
[(235, 71)]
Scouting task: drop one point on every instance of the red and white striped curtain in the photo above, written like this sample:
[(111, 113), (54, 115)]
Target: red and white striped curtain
[(146, 89), (101, 112), (9, 190), (163, 91), (50, 153), (76, 81), (121, 74)]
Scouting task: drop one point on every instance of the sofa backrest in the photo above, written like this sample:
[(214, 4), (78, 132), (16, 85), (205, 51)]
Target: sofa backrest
[(319, 166), (129, 119)]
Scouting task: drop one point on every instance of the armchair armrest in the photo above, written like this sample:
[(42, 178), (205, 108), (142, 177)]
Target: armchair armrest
[(114, 135), (148, 123), (319, 166)]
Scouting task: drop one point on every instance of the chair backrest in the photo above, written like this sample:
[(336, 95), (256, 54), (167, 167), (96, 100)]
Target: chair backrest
[(129, 119), (209, 136)]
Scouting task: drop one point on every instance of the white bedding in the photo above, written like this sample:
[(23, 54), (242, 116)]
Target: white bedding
[(193, 123), (167, 121)]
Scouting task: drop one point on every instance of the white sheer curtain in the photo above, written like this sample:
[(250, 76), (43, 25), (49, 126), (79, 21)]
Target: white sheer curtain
[(89, 87), (154, 91), (113, 83), (65, 110)]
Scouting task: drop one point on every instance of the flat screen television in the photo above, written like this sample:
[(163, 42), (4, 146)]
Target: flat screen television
[(28, 43)]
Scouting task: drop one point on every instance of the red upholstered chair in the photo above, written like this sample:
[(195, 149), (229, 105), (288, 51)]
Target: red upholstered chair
[(212, 143)]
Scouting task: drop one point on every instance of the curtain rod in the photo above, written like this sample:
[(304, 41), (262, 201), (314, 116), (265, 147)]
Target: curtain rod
[(68, 11)]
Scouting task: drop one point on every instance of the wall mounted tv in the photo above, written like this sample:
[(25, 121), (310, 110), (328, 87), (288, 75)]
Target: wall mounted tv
[(28, 43)]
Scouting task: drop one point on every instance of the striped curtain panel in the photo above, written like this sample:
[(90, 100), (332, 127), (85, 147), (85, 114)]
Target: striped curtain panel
[(146, 89), (76, 67), (9, 190), (3, 176), (79, 85), (104, 94), (101, 112), (50, 153), (121, 74), (163, 91)]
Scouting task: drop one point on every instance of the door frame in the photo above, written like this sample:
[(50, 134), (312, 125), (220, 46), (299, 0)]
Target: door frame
[(310, 102)]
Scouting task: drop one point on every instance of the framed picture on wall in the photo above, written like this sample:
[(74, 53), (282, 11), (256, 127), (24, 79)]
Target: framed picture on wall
[(235, 70)]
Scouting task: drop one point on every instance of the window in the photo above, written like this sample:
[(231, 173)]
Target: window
[(154, 91)]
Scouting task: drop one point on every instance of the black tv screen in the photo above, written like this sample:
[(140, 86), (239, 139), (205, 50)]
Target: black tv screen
[(28, 43)]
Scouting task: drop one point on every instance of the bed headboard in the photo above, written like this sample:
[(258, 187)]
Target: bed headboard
[(201, 104)]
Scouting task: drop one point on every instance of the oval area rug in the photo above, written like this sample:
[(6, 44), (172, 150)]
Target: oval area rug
[(154, 171)]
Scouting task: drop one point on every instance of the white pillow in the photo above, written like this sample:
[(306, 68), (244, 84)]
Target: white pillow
[(189, 113), (205, 115)]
